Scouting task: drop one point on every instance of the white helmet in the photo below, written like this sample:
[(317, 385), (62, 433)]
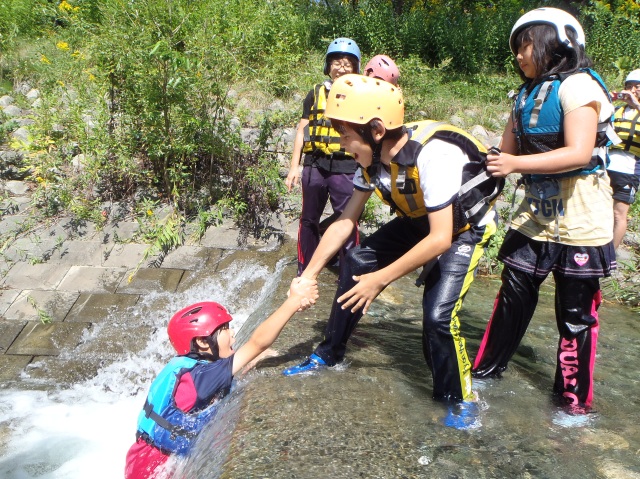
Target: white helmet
[(633, 77), (558, 19)]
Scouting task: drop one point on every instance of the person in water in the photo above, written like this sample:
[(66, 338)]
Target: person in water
[(184, 396), (557, 138), (416, 168)]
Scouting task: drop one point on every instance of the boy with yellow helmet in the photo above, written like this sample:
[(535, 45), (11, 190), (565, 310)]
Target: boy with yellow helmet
[(417, 169)]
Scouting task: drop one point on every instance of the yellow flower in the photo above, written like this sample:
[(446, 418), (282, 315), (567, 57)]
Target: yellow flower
[(44, 59), (60, 82), (76, 54), (62, 45), (65, 6), (149, 212)]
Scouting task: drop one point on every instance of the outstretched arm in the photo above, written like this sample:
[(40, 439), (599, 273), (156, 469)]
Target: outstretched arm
[(337, 234), (369, 286), (301, 294)]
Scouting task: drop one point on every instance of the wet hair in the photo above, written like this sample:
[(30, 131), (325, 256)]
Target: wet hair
[(551, 57), (212, 342)]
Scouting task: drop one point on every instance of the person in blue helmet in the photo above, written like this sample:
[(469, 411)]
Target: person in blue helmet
[(557, 138), (184, 397), (327, 173)]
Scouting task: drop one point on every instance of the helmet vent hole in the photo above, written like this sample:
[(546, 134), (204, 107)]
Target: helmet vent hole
[(341, 96), (192, 311)]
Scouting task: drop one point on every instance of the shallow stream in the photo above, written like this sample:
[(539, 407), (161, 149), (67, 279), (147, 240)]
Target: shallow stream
[(371, 417)]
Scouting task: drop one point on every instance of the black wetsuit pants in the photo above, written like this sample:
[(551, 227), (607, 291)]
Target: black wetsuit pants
[(576, 303), (445, 287)]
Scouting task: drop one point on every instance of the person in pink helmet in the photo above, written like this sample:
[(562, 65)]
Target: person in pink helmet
[(185, 395), (384, 68)]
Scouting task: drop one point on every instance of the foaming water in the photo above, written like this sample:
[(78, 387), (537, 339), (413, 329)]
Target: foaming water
[(371, 416), (84, 430)]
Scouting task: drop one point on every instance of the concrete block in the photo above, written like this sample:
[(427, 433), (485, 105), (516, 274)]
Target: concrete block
[(92, 279), (189, 257), (225, 237), (14, 205), (54, 304), (11, 224), (37, 339), (146, 280), (11, 368), (68, 227), (34, 276), (31, 249), (76, 252), (119, 230), (100, 307), (9, 331), (125, 255), (58, 372), (7, 296)]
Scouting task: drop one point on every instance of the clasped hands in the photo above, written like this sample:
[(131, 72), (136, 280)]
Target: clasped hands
[(306, 289), (367, 288)]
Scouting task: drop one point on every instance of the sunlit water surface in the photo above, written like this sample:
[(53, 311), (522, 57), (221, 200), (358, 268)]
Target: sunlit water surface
[(370, 417)]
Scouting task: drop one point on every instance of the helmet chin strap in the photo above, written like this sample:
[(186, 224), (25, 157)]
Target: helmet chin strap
[(373, 170)]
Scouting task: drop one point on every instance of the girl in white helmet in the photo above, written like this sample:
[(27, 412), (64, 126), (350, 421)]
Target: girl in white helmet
[(557, 138), (624, 169)]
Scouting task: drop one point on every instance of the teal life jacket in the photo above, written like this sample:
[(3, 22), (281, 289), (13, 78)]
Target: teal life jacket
[(161, 423), (538, 120)]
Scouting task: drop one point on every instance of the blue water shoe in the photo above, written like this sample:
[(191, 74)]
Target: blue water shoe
[(311, 364), (464, 416)]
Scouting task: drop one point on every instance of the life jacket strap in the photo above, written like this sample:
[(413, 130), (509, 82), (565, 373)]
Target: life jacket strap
[(545, 89), (163, 423)]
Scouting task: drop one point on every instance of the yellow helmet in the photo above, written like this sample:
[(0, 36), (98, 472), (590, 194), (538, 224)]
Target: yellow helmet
[(359, 99)]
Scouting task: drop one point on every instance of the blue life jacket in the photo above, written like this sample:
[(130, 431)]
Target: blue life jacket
[(538, 121), (161, 423)]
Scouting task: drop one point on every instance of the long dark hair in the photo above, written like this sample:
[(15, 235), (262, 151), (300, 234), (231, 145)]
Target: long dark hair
[(549, 55)]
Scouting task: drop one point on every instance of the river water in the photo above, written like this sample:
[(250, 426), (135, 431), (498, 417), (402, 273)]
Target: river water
[(370, 417)]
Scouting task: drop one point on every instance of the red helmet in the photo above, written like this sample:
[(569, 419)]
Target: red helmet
[(384, 68), (199, 319)]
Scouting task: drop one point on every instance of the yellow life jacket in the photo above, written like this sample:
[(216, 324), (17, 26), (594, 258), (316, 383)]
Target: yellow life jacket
[(319, 136), (478, 191), (626, 130)]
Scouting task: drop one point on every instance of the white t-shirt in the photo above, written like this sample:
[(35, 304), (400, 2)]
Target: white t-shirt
[(440, 170)]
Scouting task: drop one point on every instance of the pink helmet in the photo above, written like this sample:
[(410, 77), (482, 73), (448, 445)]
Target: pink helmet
[(383, 67), (199, 319)]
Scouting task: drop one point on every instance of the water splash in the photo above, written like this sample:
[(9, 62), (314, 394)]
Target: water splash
[(86, 430)]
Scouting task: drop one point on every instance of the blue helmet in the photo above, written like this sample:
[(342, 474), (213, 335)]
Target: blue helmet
[(344, 46)]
